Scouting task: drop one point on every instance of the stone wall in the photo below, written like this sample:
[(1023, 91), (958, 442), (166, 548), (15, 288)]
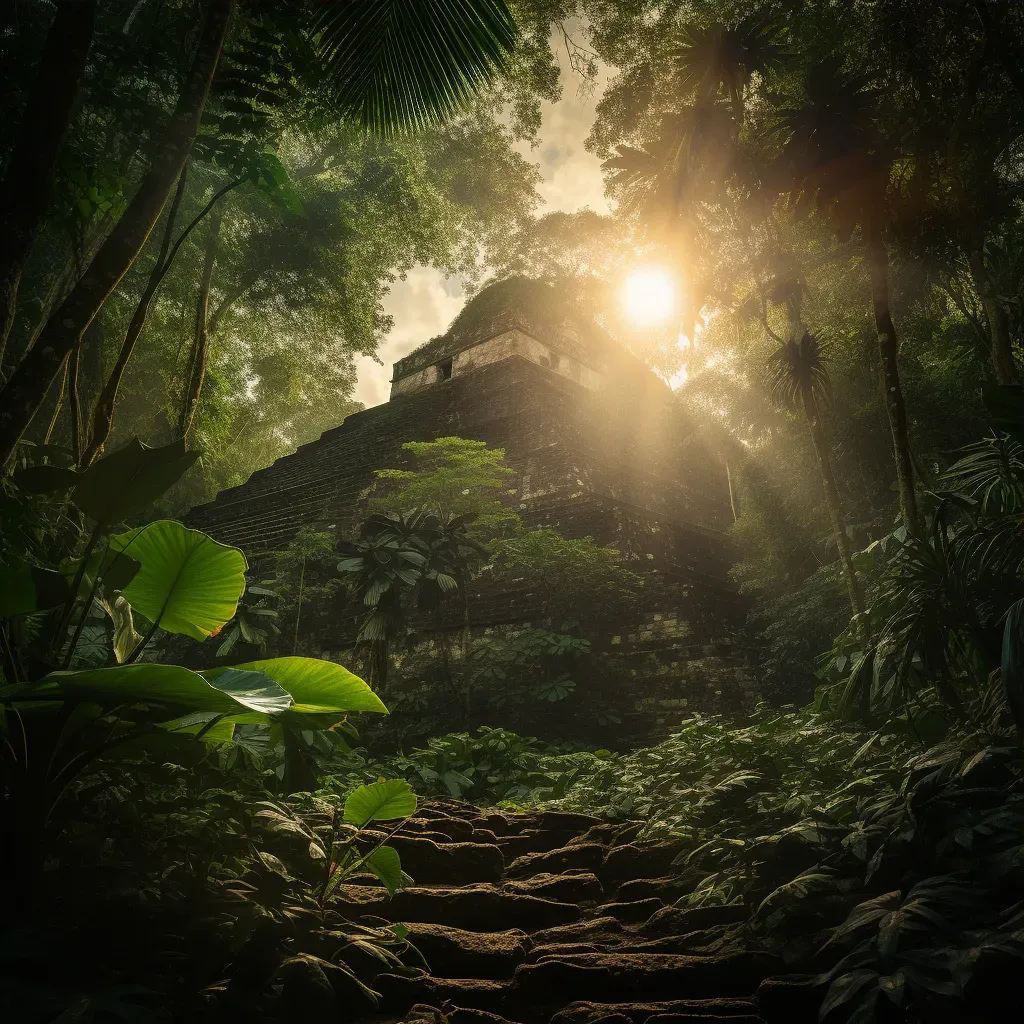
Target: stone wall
[(588, 463), (493, 350)]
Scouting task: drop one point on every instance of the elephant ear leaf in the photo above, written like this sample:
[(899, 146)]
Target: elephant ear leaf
[(382, 801), (188, 583), (320, 688), (46, 479), (28, 588), (128, 481), (154, 682), (385, 863), (252, 689)]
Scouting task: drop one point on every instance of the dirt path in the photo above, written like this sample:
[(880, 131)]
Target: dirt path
[(559, 917)]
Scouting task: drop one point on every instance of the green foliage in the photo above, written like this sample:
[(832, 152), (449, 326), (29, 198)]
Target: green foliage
[(417, 559), (254, 621), (939, 599), (188, 582), (56, 724), (380, 802), (453, 476), (229, 867), (490, 767), (460, 46), (563, 568)]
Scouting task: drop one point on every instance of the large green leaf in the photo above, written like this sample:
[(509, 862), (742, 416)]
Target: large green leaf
[(27, 588), (188, 582), (46, 479), (256, 690), (129, 480), (381, 801), (319, 687), (385, 863), (233, 693), (408, 64)]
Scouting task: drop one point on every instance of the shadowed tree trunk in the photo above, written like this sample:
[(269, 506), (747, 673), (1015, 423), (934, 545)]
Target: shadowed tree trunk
[(57, 405), (27, 187), (201, 336), (832, 500), (103, 416), (888, 350), (26, 390), (74, 405), (999, 341)]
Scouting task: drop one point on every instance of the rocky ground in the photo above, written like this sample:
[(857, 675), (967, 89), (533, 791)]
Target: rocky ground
[(563, 918)]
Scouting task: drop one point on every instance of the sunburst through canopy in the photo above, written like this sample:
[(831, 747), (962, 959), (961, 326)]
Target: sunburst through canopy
[(649, 297)]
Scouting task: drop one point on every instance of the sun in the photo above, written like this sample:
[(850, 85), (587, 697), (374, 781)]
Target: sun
[(649, 296)]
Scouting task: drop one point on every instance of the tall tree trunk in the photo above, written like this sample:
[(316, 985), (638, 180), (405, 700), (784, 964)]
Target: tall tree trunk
[(24, 393), (201, 336), (835, 513), (27, 187), (74, 405), (57, 405), (888, 350), (1000, 344), (103, 415)]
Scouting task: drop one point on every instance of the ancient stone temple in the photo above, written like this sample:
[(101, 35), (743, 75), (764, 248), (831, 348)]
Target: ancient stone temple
[(599, 448)]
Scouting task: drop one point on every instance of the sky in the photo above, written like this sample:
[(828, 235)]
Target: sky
[(425, 303)]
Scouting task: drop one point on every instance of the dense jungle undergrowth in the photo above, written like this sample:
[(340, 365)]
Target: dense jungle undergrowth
[(203, 207)]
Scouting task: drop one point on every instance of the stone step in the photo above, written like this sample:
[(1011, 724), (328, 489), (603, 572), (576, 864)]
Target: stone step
[(430, 862), (398, 994), (638, 860), (667, 888), (612, 976), (735, 1011), (586, 856), (582, 887), (682, 920), (637, 910), (596, 930), (479, 908), (457, 953)]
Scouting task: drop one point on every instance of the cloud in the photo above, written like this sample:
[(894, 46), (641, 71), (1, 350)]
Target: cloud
[(424, 304)]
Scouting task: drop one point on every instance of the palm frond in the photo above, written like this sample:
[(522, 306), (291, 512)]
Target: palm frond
[(796, 369), (400, 65)]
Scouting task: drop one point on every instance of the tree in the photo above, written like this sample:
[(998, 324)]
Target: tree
[(451, 476), (64, 331), (367, 74), (834, 160), (27, 185), (798, 379), (727, 57)]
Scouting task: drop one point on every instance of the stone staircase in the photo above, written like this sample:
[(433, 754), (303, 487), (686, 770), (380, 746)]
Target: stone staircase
[(561, 918)]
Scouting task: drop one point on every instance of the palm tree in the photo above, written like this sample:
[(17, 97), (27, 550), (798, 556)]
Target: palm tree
[(833, 160), (392, 64), (401, 560), (798, 379), (727, 57)]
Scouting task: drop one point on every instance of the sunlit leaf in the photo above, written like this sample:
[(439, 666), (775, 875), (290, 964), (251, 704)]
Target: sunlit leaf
[(188, 583), (381, 801)]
